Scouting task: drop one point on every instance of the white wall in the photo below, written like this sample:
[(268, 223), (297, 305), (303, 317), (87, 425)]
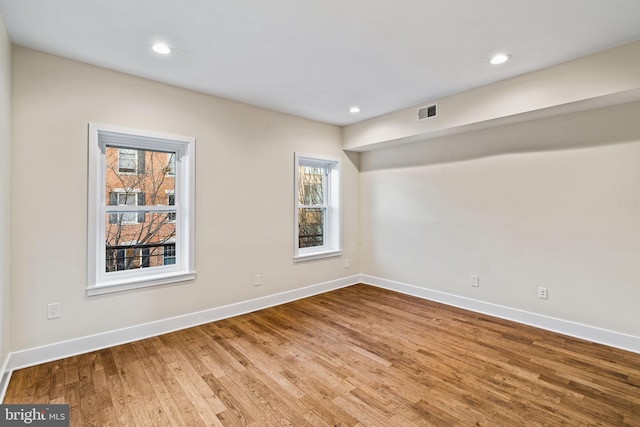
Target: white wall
[(552, 203), (244, 197), (5, 193)]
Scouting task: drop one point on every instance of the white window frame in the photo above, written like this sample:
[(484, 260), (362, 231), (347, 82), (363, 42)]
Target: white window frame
[(98, 280), (333, 219)]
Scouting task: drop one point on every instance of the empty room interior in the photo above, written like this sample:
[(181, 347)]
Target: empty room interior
[(321, 213)]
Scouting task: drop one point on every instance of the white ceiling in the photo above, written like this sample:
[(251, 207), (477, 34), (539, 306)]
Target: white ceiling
[(317, 58)]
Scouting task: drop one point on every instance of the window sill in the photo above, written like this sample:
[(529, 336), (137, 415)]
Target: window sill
[(317, 255), (119, 285)]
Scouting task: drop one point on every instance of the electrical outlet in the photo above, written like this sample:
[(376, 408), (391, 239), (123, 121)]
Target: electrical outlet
[(257, 280), (475, 281), (347, 263), (53, 310), (543, 293)]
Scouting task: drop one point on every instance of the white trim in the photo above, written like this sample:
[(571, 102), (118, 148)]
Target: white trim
[(5, 377), (565, 327), (34, 356), (149, 280), (316, 255)]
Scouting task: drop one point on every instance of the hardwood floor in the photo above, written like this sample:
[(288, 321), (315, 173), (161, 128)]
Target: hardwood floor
[(359, 356)]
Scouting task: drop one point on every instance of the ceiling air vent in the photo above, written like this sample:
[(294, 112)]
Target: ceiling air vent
[(427, 112)]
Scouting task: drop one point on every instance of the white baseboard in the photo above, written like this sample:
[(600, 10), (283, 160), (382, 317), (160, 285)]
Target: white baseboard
[(47, 353), (573, 329), (55, 351), (5, 376)]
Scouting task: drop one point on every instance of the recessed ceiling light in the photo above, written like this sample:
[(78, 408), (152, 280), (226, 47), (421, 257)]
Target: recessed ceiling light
[(161, 48), (500, 58), (354, 110)]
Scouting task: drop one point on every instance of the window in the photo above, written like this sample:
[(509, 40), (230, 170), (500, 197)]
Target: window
[(127, 258), (130, 161), (169, 255), (317, 207), (141, 216), (122, 197), (171, 201), (171, 165)]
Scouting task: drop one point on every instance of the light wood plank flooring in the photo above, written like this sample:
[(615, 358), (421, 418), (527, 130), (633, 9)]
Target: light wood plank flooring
[(358, 356)]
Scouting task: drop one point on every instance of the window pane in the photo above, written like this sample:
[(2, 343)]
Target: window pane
[(310, 185), (139, 244), (311, 227), (139, 178), (130, 257), (148, 179)]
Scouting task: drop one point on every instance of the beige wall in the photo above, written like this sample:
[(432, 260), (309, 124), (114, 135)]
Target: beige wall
[(244, 197), (552, 203), (5, 193)]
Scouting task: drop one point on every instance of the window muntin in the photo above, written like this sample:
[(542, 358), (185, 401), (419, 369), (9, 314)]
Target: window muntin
[(135, 214), (318, 217)]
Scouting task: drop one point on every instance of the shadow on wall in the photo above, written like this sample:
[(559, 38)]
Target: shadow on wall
[(606, 126)]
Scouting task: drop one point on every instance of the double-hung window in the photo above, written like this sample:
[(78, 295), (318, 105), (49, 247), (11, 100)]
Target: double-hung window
[(317, 207), (141, 209)]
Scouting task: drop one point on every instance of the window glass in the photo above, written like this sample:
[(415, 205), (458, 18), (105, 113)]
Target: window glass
[(138, 236), (311, 185), (311, 227), (151, 234)]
